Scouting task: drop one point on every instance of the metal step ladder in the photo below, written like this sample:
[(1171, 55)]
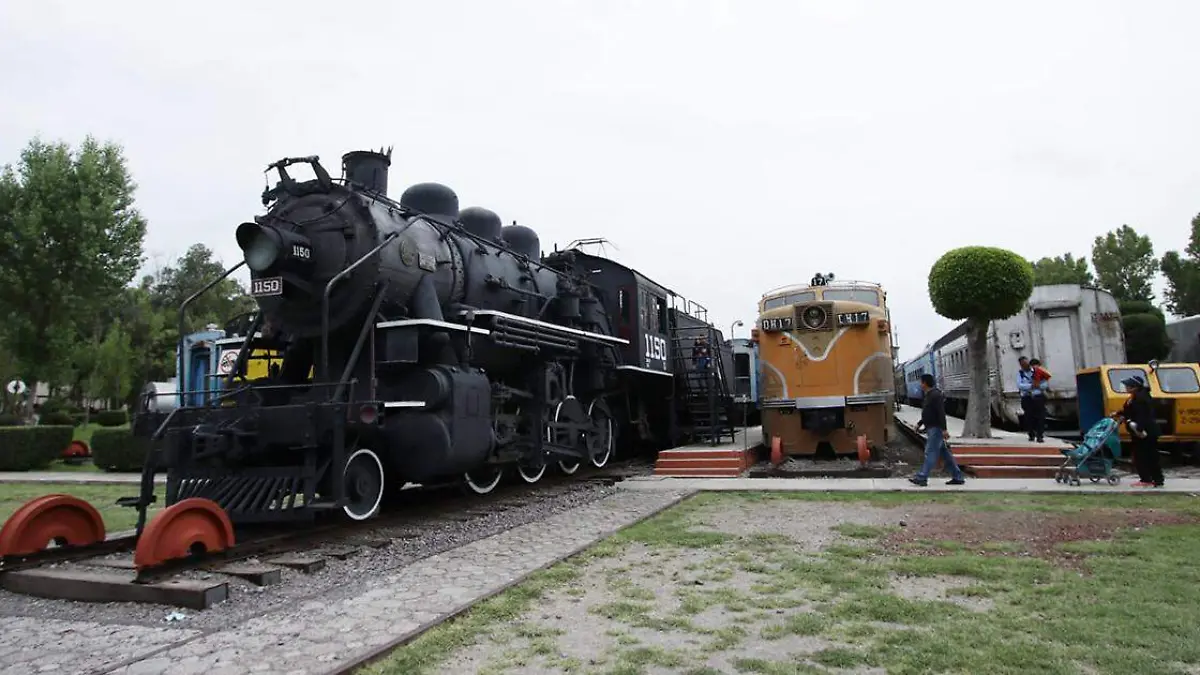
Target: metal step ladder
[(704, 404)]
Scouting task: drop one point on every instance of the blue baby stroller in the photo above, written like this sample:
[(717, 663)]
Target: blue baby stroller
[(1094, 457)]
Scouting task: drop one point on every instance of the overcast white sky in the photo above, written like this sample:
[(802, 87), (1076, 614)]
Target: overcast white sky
[(725, 147)]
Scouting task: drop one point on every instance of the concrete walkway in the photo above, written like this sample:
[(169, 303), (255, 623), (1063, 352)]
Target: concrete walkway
[(77, 477), (936, 484)]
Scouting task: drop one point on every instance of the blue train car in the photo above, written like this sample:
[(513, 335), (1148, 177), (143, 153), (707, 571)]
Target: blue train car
[(913, 370), (201, 361)]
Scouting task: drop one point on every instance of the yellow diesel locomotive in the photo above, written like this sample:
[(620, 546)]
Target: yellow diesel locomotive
[(825, 351)]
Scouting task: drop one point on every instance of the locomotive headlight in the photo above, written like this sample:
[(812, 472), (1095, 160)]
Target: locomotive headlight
[(260, 245), (264, 246)]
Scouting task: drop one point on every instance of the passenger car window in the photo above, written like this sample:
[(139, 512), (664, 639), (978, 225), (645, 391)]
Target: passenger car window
[(1178, 380), (866, 295), (1117, 374)]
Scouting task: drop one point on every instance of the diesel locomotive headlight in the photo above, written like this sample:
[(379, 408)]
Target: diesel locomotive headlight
[(264, 246), (813, 317)]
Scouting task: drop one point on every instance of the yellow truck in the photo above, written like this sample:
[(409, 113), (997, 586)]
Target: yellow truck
[(1175, 388)]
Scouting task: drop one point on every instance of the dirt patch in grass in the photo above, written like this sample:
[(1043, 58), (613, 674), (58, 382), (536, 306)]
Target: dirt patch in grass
[(711, 587), (957, 590), (945, 530)]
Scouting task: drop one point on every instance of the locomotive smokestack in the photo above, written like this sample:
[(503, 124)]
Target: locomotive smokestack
[(368, 169)]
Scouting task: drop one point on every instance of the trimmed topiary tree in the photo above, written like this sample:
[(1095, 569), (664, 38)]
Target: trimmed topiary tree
[(979, 284), (1145, 329)]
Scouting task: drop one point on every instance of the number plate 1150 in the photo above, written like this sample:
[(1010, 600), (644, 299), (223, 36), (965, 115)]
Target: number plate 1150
[(266, 286)]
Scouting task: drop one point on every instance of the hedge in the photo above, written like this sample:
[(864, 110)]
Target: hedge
[(33, 447), (56, 418), (9, 420), (118, 450), (111, 418)]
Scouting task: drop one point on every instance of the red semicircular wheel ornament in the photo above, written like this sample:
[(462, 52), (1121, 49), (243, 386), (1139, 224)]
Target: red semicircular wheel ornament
[(776, 450), (186, 528), (864, 451), (60, 519)]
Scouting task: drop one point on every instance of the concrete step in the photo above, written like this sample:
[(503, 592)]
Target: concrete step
[(699, 473), (974, 458), (1007, 449), (1012, 471), (689, 463), (736, 453)]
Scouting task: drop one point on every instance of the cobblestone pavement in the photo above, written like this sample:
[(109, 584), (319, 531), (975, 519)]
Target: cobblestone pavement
[(320, 636)]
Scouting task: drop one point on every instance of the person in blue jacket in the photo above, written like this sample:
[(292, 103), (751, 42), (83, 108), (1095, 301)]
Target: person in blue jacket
[(1033, 401)]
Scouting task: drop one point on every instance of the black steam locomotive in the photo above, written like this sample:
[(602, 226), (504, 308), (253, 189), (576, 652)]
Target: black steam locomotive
[(423, 344)]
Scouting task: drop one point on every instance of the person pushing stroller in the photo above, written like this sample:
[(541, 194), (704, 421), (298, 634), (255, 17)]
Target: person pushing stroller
[(1142, 422)]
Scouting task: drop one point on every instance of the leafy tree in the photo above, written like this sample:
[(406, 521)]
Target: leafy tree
[(1125, 264), (1145, 329), (1183, 275), (70, 241), (113, 362), (979, 284), (171, 285), (1063, 269), (153, 337)]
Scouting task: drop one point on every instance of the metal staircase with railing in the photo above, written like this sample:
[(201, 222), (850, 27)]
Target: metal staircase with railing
[(702, 397)]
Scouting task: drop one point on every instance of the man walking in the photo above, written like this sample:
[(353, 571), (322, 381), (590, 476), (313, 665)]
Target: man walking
[(1142, 422), (1033, 400), (933, 423)]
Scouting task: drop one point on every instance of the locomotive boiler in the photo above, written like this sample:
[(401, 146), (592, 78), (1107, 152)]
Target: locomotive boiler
[(421, 343)]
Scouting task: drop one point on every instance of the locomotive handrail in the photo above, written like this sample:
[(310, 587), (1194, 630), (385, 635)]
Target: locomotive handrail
[(380, 292), (183, 324), (329, 289)]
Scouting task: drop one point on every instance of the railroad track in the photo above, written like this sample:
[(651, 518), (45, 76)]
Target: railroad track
[(106, 571)]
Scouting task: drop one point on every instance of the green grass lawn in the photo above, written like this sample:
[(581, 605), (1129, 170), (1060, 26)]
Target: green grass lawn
[(103, 497), (1126, 603), (84, 432)]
